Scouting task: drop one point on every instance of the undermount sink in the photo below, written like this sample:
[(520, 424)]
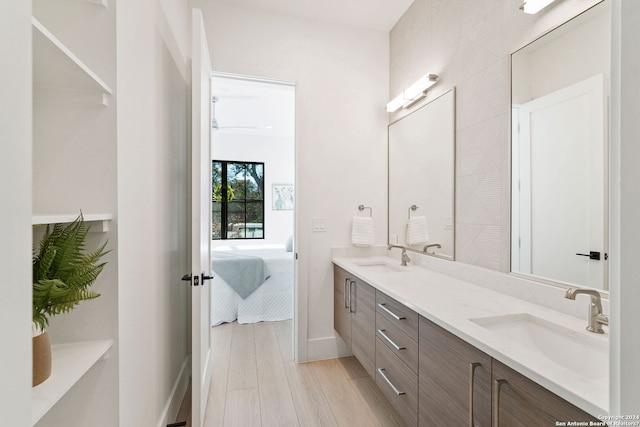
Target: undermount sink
[(576, 351), (380, 267)]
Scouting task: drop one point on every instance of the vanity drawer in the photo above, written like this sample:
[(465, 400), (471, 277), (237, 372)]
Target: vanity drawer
[(398, 314), (398, 383), (397, 341)]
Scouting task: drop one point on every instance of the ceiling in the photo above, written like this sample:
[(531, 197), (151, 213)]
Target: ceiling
[(380, 15), (253, 108)]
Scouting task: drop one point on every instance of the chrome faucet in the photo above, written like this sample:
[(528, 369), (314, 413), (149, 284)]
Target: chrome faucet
[(404, 257), (596, 318), (433, 245)]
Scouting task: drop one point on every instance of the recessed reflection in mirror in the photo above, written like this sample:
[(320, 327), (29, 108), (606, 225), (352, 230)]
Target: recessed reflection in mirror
[(421, 178), (560, 86)]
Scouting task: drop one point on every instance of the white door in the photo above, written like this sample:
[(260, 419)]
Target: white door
[(562, 184), (200, 220)]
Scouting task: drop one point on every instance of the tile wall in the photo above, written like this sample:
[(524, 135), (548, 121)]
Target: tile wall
[(468, 44)]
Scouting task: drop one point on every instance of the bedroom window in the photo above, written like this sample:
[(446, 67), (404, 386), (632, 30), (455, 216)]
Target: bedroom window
[(238, 200)]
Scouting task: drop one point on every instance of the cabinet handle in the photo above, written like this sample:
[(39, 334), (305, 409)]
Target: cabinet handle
[(389, 340), (345, 292), (472, 377), (497, 385), (391, 313), (398, 392), (351, 283)]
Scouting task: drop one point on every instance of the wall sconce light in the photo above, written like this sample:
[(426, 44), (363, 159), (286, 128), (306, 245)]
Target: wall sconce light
[(413, 93), (534, 6)]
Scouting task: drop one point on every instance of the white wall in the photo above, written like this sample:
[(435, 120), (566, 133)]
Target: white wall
[(625, 201), (278, 156), (15, 214), (340, 133), (152, 206), (258, 104)]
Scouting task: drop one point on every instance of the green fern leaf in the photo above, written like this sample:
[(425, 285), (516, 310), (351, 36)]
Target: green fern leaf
[(63, 271)]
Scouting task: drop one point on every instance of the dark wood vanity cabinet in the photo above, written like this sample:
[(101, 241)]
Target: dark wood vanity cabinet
[(454, 382), (363, 321), (397, 356), (354, 316), (519, 402), (341, 312), (432, 377), (457, 381)]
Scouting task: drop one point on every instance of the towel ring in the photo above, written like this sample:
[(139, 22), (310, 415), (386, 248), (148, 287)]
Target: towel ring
[(411, 208), (363, 207)]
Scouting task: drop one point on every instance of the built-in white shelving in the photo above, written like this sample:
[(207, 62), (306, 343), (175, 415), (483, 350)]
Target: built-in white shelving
[(73, 50), (69, 363), (98, 222), (59, 75)]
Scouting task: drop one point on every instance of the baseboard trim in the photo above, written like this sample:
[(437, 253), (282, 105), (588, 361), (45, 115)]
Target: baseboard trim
[(327, 348), (172, 406)]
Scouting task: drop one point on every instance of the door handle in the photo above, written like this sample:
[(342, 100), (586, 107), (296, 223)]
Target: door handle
[(186, 278), (204, 277), (592, 255)]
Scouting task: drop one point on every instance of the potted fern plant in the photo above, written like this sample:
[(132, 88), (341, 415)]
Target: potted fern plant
[(63, 272)]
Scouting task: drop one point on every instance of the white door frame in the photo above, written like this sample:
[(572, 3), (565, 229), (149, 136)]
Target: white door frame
[(200, 233), (299, 289)]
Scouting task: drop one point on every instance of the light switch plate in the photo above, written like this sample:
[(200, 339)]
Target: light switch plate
[(448, 223), (319, 225)]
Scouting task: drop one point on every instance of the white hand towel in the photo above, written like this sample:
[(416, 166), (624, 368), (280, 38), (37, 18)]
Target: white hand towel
[(362, 231), (417, 230)]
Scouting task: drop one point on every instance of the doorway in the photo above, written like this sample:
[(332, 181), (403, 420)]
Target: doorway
[(253, 226)]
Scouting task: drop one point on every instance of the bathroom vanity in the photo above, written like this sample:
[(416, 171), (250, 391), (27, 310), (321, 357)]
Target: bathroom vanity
[(436, 348)]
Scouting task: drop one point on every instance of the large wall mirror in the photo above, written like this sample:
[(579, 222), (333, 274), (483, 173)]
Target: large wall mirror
[(421, 178), (559, 152)]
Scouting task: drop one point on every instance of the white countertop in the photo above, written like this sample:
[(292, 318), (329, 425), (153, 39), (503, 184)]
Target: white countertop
[(450, 303)]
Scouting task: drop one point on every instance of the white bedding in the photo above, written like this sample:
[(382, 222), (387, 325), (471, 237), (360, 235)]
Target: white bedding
[(272, 301)]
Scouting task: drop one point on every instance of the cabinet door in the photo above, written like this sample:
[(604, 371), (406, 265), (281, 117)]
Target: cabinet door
[(341, 313), (363, 323), (399, 384), (454, 381), (520, 402)]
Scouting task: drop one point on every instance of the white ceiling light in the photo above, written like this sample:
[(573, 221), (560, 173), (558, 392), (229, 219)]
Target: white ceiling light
[(534, 6), (413, 93), (396, 103)]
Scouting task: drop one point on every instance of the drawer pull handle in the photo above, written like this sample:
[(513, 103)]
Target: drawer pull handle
[(472, 377), (391, 313), (389, 340), (351, 308), (346, 281), (497, 385), (398, 392)]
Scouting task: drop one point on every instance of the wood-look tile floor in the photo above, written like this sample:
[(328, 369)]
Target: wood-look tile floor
[(257, 383)]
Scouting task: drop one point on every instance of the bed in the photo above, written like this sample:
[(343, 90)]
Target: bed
[(264, 300)]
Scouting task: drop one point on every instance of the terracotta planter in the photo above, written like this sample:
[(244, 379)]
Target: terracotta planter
[(41, 358)]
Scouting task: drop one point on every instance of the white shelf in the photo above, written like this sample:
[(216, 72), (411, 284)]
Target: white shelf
[(99, 220), (69, 363), (56, 70)]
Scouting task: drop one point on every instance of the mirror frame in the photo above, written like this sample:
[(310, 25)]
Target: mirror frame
[(452, 257), (604, 291)]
